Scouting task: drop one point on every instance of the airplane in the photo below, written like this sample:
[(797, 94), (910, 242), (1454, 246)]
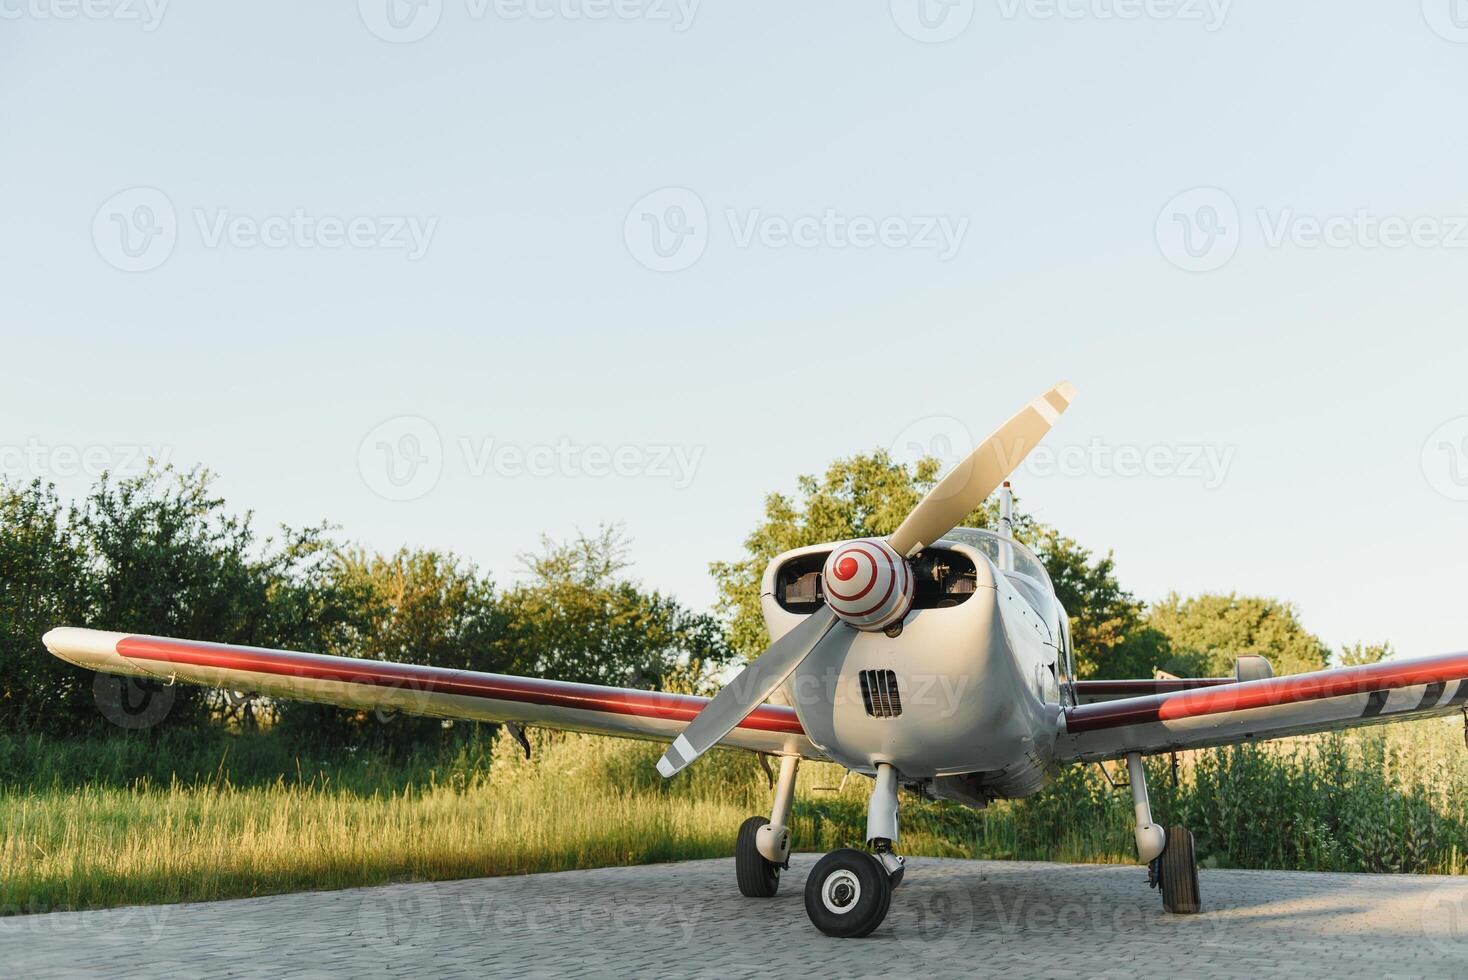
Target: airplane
[(936, 660)]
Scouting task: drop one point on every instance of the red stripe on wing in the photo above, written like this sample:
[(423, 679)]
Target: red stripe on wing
[(498, 687), (1315, 686)]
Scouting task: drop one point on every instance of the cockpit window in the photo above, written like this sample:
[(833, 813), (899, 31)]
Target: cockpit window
[(1017, 562)]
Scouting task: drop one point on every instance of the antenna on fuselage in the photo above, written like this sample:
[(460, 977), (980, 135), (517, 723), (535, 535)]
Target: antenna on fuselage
[(1006, 527)]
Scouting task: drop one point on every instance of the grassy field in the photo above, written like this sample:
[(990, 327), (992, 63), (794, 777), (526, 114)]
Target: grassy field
[(131, 820)]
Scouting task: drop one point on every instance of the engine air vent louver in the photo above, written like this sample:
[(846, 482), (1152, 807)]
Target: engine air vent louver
[(879, 693)]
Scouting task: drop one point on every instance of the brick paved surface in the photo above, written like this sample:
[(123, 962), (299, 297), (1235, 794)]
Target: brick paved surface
[(975, 918)]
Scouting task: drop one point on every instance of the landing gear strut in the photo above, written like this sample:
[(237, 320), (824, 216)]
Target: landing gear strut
[(762, 850), (849, 891), (1172, 863)]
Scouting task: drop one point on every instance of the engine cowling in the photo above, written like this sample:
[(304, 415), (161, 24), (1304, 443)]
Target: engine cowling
[(867, 584)]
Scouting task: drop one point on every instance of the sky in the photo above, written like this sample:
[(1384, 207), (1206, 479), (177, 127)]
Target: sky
[(460, 273)]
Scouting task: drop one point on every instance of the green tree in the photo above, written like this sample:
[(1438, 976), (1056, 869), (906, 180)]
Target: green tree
[(1208, 631), (165, 556), (43, 584), (416, 607), (1361, 654), (579, 617)]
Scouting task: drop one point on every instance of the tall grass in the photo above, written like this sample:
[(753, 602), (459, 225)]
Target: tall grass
[(133, 820)]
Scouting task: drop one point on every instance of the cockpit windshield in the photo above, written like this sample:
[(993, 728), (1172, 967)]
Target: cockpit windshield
[(1017, 562)]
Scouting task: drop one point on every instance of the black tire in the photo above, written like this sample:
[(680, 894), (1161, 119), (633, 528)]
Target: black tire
[(1179, 874), (847, 894), (758, 878)]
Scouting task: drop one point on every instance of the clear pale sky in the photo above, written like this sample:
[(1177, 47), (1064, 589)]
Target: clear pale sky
[(553, 155)]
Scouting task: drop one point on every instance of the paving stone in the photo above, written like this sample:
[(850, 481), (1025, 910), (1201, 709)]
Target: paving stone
[(950, 917)]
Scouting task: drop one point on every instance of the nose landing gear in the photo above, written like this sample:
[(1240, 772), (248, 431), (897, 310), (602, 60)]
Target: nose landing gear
[(849, 892)]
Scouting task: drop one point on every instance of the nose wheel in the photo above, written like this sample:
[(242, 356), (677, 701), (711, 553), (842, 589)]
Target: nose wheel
[(848, 893)]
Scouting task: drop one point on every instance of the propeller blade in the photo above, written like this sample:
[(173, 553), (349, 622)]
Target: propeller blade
[(969, 483), (746, 692)]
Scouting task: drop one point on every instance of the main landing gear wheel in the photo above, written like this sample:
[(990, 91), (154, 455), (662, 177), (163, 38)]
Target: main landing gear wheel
[(1177, 870), (758, 877), (848, 893)]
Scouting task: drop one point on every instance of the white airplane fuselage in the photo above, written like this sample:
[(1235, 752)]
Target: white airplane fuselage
[(970, 707)]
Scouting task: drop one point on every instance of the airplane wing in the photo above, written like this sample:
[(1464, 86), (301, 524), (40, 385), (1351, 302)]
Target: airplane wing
[(1226, 713), (435, 691)]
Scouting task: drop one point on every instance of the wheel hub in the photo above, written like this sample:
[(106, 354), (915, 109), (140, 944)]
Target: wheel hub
[(840, 892)]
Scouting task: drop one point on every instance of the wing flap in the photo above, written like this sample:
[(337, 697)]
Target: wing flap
[(414, 689)]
